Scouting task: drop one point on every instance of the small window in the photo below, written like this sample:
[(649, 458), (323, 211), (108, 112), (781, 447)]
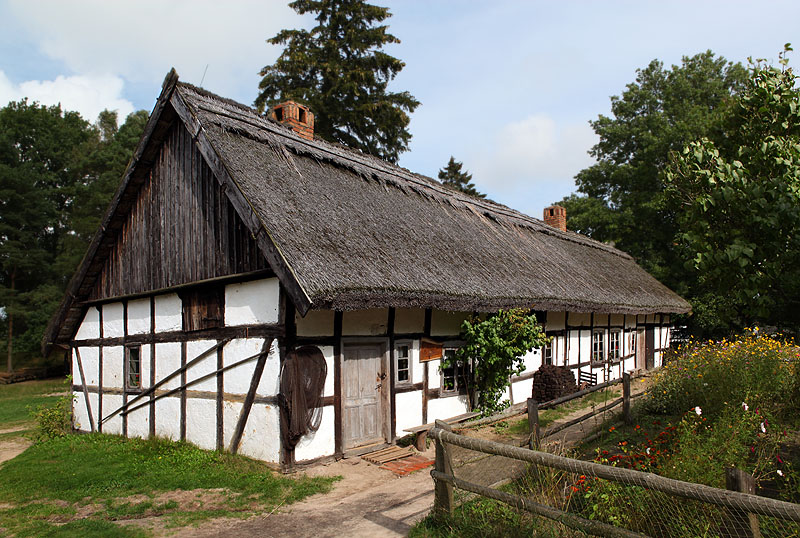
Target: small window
[(279, 113), (456, 375), (301, 114), (614, 340), (598, 346), (547, 352), (632, 342), (133, 368), (402, 366)]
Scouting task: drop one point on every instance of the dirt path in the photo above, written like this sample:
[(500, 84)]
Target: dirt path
[(368, 501)]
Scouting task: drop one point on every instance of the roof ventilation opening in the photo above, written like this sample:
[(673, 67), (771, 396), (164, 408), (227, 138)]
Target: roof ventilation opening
[(298, 117), (556, 216)]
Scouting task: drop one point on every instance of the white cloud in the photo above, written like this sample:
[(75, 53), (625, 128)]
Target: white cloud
[(88, 94), (140, 40), (534, 150)]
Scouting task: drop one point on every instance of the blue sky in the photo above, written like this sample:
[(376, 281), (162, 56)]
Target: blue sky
[(507, 87)]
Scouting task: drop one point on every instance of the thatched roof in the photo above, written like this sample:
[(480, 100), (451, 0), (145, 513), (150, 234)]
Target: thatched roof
[(350, 231)]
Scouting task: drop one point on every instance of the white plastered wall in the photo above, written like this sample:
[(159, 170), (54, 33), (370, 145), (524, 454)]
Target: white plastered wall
[(91, 366), (90, 326), (445, 323), (263, 418), (409, 320), (315, 323), (80, 415), (254, 302), (444, 408), (203, 367), (168, 313), (201, 422), (168, 360), (371, 322), (113, 320), (168, 417), (112, 367), (139, 316)]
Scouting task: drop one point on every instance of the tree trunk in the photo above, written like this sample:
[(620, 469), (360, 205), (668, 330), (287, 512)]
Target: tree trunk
[(10, 364)]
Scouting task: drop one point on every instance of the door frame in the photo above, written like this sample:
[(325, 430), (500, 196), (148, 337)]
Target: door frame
[(386, 395)]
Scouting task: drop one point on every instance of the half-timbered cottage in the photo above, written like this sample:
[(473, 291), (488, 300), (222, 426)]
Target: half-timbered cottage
[(236, 239)]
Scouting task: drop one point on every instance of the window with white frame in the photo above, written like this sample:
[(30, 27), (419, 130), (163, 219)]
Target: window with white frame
[(598, 346), (547, 351), (133, 368), (455, 373), (402, 363), (632, 342), (614, 344)]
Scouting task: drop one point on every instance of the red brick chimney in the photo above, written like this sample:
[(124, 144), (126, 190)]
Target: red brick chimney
[(296, 116), (556, 216)]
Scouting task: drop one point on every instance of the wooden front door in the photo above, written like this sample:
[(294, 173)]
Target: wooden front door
[(640, 349), (650, 348), (364, 382)]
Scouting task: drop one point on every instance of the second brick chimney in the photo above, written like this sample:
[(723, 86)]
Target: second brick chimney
[(296, 116), (556, 216)]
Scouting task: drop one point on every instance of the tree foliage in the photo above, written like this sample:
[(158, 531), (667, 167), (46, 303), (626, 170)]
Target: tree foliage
[(452, 176), (57, 174), (737, 203), (496, 346), (622, 194), (339, 70)]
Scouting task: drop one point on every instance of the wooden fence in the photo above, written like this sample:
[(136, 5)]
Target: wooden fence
[(743, 507)]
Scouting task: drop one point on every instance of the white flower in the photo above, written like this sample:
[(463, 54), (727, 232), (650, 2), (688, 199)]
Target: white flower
[(698, 410), (745, 406), (780, 473), (763, 428), (648, 451)]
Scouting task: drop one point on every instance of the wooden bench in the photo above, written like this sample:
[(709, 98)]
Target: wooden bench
[(587, 377), (421, 432)]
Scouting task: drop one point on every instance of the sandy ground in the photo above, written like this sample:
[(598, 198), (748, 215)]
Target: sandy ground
[(368, 501), (11, 447)]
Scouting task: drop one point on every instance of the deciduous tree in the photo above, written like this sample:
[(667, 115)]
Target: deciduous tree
[(622, 194), (738, 206)]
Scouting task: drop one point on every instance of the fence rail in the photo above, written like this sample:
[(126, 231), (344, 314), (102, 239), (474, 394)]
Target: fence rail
[(739, 505)]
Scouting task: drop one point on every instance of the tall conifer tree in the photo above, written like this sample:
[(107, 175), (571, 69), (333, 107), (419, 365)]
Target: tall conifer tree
[(339, 70), (452, 176)]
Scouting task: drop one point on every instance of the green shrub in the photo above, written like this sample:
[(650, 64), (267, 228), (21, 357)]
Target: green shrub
[(53, 420)]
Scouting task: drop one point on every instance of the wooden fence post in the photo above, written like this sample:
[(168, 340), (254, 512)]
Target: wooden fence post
[(626, 398), (741, 524), (533, 423), (443, 491)]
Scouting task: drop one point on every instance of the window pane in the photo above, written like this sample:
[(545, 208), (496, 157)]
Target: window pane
[(402, 352), (402, 364), (134, 365), (402, 375)]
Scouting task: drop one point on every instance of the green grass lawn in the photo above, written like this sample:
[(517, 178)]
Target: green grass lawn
[(548, 416), (17, 400), (45, 487), (52, 479)]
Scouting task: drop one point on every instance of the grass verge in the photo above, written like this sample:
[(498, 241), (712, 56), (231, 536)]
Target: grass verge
[(548, 416), (56, 476), (18, 399)]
